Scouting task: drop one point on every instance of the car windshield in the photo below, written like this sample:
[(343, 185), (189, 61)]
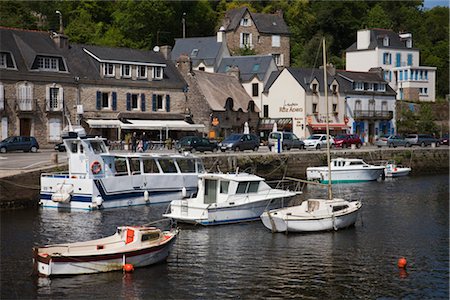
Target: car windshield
[(314, 137), (232, 138)]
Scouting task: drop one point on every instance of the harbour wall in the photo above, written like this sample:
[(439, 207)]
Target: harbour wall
[(22, 190)]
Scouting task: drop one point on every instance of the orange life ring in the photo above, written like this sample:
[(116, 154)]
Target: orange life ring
[(96, 167)]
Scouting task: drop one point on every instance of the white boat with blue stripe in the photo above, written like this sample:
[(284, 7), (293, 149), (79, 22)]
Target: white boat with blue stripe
[(228, 198), (99, 179)]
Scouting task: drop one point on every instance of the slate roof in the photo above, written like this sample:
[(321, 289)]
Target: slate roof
[(125, 54), (304, 77), (249, 66), (346, 79), (265, 23), (208, 49), (376, 40), (217, 88)]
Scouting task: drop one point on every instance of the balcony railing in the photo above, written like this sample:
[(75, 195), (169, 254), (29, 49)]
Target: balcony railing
[(26, 104), (373, 114)]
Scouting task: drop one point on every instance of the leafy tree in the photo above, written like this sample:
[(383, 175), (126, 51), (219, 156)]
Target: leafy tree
[(425, 123), (245, 51), (377, 18), (406, 122)]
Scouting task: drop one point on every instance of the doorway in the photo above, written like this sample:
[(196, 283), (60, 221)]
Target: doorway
[(371, 132), (25, 127)]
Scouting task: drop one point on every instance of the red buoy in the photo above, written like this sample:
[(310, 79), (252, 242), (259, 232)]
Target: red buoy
[(128, 268), (401, 262)]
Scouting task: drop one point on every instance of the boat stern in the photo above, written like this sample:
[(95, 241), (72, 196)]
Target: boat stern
[(273, 222)]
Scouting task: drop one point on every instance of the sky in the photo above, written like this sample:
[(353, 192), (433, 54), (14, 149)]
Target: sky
[(432, 3)]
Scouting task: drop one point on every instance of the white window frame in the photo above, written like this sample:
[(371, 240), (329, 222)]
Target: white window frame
[(358, 105), (162, 108), (246, 40), (2, 97), (359, 86), (25, 96), (382, 87), (107, 72), (3, 60), (157, 72), (276, 41), (246, 22), (278, 58), (124, 69), (48, 63), (138, 105), (386, 41), (138, 70), (54, 133), (109, 107)]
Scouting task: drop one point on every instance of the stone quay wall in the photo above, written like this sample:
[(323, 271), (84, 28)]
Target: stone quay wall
[(22, 190)]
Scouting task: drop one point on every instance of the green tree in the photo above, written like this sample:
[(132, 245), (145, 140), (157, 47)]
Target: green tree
[(425, 122), (406, 122), (377, 18)]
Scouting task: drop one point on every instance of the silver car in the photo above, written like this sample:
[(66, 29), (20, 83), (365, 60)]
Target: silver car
[(391, 140), (318, 141)]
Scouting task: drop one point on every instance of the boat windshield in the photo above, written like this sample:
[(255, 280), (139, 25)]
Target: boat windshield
[(98, 147), (186, 165)]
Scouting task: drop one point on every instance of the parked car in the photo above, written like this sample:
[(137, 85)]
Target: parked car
[(421, 139), (347, 140), (289, 140), (60, 147), (19, 143), (391, 140), (240, 142), (195, 143), (318, 141), (444, 139)]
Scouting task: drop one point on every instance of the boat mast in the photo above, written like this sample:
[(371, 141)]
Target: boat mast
[(330, 195)]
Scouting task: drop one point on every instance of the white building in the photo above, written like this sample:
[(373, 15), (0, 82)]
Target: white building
[(394, 53)]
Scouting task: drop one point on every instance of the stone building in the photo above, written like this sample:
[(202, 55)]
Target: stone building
[(266, 34), (218, 101)]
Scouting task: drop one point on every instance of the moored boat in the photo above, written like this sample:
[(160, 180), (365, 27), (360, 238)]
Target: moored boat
[(99, 179), (228, 198), (345, 170), (394, 170), (136, 245)]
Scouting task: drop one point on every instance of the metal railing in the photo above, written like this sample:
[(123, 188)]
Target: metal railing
[(373, 114)]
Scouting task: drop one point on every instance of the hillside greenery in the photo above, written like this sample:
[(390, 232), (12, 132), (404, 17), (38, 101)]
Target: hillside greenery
[(145, 24)]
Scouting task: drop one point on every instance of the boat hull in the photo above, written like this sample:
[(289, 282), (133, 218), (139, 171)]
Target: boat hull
[(75, 265), (397, 172), (344, 175), (280, 221)]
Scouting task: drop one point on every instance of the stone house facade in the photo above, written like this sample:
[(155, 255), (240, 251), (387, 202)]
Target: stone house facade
[(266, 34)]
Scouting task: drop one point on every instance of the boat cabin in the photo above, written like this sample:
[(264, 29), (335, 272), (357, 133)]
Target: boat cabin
[(344, 162)]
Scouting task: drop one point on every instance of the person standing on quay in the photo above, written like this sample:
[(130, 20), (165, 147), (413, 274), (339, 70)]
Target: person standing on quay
[(133, 142), (144, 142)]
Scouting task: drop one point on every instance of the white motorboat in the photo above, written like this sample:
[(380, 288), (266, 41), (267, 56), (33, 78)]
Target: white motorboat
[(345, 170), (228, 198), (394, 170), (315, 214), (99, 179), (136, 245)]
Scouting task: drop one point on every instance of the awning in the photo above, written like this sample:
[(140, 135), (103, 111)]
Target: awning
[(96, 123), (331, 126), (161, 124), (282, 123)]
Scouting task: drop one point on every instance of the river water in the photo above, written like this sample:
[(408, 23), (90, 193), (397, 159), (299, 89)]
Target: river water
[(401, 217)]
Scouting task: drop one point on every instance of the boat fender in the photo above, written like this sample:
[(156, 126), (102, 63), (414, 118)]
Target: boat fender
[(183, 192), (98, 201), (146, 196), (96, 167)]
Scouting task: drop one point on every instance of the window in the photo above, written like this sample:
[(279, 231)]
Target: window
[(109, 70), (167, 165), (142, 72), (387, 58), (278, 59), (266, 111), (201, 68), (224, 187), (47, 63), (255, 68), (194, 52), (382, 87), (210, 191), (242, 187), (135, 165), (275, 41), (53, 98), (335, 108), (400, 75), (120, 166), (25, 96), (134, 101), (3, 60), (386, 41), (425, 73), (105, 100), (2, 101), (384, 106), (246, 22), (150, 166), (255, 89), (314, 88), (334, 89), (246, 40), (253, 187), (423, 91), (126, 71), (186, 165), (398, 59), (159, 102), (358, 105), (358, 86), (410, 59), (157, 73), (314, 108), (54, 129)]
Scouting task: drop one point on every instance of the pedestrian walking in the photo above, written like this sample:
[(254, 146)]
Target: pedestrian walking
[(133, 142)]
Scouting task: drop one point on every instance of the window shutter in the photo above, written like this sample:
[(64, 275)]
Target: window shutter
[(99, 104), (241, 40), (61, 99), (251, 41), (47, 98), (168, 103), (114, 101), (128, 101), (143, 102), (153, 102)]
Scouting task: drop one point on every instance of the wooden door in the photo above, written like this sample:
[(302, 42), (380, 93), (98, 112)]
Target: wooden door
[(25, 127)]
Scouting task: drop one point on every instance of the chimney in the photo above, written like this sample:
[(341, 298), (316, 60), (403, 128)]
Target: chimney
[(184, 64), (166, 50), (61, 40), (331, 70), (363, 39), (378, 71), (234, 71), (279, 12), (221, 34)]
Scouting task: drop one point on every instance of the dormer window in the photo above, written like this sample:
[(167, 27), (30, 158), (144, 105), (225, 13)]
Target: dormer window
[(334, 89), (157, 73), (45, 63), (126, 71), (382, 87), (358, 86), (245, 22), (3, 59), (409, 43), (142, 72), (108, 70), (194, 52), (386, 41), (314, 88)]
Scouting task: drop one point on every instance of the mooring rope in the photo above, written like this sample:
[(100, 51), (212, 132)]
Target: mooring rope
[(33, 187)]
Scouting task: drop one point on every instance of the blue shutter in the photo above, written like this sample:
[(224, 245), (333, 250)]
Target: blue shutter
[(398, 58), (143, 102), (354, 127), (114, 100), (153, 102), (167, 103), (128, 101), (99, 99), (410, 59)]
